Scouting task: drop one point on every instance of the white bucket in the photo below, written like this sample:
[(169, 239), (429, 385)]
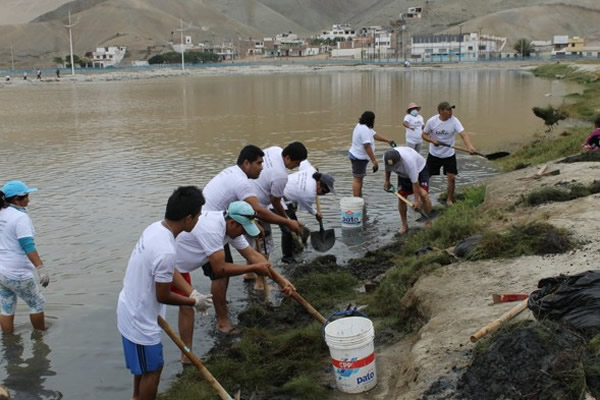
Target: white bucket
[(350, 342), (352, 211)]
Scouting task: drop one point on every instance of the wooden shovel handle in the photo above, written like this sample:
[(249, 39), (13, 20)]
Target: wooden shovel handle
[(463, 149), (411, 205), (195, 360), (261, 277), (311, 310), (500, 321)]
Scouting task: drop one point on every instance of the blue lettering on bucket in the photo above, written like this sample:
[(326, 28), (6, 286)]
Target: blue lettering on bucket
[(364, 379), (349, 218)]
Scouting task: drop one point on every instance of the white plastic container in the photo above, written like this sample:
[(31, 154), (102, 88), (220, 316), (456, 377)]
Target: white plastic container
[(350, 342), (352, 211)]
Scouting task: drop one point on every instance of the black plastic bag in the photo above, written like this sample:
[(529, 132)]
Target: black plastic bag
[(570, 299)]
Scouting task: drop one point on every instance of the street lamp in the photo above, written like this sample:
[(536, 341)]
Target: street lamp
[(182, 48)]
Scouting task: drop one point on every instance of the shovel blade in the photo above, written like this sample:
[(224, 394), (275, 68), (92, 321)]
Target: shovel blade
[(427, 217), (495, 156), (322, 240)]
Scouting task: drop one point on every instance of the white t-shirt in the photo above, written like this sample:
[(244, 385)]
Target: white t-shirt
[(15, 225), (443, 131), (362, 135), (301, 189), (208, 237), (228, 186), (411, 163), (413, 134), (152, 260), (272, 179)]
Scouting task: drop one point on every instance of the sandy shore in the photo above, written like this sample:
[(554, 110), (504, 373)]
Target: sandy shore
[(255, 69)]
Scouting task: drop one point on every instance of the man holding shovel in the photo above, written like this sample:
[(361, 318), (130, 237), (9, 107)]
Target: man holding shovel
[(300, 192), (147, 289), (235, 184), (413, 178), (440, 131), (203, 247)]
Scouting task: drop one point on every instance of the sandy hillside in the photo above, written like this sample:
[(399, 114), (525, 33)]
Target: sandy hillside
[(456, 300), (146, 26)]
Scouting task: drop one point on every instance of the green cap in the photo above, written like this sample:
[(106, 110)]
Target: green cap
[(243, 213)]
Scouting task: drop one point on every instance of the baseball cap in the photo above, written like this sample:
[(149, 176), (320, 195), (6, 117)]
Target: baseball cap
[(391, 158), (328, 181), (244, 214), (444, 105), (16, 188), (413, 105)]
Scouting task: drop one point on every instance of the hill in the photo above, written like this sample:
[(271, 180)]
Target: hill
[(146, 26)]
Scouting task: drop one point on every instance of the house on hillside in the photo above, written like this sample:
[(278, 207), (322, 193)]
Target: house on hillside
[(413, 12), (108, 56), (339, 32), (575, 46)]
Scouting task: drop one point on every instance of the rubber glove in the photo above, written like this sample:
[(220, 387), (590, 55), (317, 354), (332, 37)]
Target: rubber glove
[(202, 302), (393, 144), (43, 276)]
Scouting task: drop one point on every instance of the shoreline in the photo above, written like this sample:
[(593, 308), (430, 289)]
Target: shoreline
[(450, 304), (107, 75)]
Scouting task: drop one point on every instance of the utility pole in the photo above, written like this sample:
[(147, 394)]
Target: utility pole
[(182, 48), (71, 44), (459, 42), (12, 58)]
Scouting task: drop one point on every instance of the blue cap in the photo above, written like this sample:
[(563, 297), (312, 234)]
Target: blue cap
[(16, 188), (244, 214)]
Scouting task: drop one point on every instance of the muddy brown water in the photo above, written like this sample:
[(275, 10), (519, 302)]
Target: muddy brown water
[(106, 155)]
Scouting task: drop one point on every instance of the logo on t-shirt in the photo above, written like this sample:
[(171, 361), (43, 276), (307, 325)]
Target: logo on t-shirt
[(443, 132)]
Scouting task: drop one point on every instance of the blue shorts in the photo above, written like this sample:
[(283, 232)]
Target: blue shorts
[(140, 359)]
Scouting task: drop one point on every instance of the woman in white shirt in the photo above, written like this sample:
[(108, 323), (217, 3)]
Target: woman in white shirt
[(22, 273), (413, 122), (363, 149)]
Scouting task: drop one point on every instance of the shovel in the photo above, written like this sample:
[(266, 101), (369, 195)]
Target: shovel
[(491, 157), (424, 216), (324, 239), (260, 278), (196, 361), (311, 310)]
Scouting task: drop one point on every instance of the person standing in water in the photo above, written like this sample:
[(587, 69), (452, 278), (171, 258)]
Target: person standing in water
[(363, 150), (22, 273), (413, 122)]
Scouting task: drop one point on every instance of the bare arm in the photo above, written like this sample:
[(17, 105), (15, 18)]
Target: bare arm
[(222, 269), (34, 257), (276, 202), (166, 296), (386, 183), (467, 140), (265, 215), (406, 125), (427, 137), (181, 284), (252, 256), (381, 138)]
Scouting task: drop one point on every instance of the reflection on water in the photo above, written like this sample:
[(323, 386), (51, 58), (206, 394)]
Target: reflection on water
[(27, 371), (106, 156)]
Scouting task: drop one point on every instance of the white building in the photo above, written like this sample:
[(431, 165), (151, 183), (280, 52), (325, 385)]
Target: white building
[(108, 56), (455, 48), (339, 32)]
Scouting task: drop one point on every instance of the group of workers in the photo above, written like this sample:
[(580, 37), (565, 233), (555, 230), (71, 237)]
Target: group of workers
[(236, 208), (406, 161)]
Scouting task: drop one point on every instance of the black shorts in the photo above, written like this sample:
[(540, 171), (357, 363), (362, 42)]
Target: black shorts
[(207, 268), (405, 187), (434, 164), (359, 168)]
